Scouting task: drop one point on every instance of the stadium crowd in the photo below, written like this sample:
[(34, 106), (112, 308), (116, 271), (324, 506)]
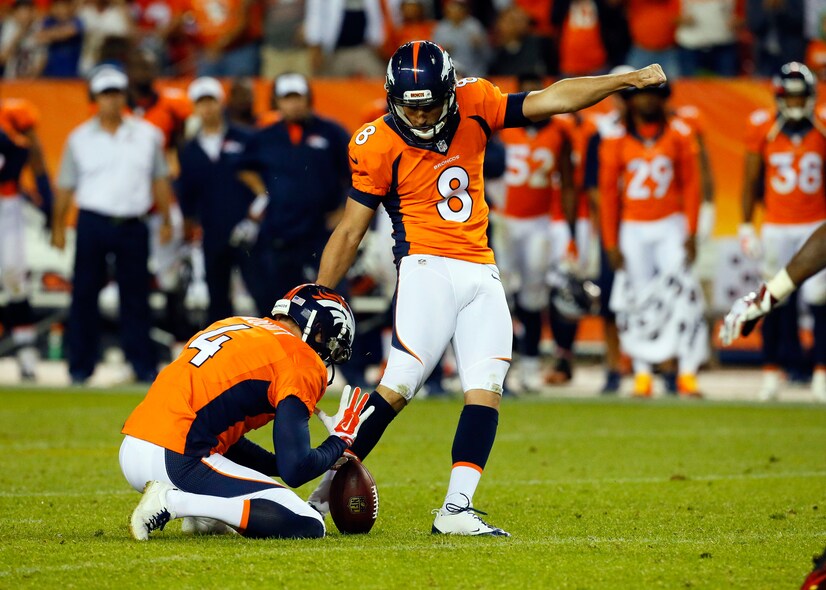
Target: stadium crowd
[(217, 145), (67, 38)]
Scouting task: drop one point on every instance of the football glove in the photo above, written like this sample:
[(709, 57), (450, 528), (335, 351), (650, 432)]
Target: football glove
[(245, 233), (745, 314), (749, 242), (346, 423)]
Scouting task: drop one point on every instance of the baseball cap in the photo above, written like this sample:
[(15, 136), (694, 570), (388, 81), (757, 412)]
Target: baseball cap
[(107, 78), (204, 87), (286, 84)]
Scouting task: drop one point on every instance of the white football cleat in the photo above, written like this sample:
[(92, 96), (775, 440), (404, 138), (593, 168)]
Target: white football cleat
[(203, 525), (320, 498), (771, 386), (819, 385), (152, 512), (463, 520)]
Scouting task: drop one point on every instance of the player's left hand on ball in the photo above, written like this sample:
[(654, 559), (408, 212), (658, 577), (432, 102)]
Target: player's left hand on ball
[(652, 75), (745, 313), (347, 421)]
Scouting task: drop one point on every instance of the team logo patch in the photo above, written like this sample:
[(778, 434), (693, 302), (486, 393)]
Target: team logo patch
[(441, 145)]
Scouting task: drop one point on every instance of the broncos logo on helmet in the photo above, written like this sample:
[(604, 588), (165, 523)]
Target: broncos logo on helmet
[(421, 75), (320, 311)]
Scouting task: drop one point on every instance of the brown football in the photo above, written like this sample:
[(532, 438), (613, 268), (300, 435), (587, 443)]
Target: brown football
[(354, 498)]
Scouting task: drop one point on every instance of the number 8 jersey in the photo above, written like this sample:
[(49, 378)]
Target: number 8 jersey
[(435, 197), (793, 169)]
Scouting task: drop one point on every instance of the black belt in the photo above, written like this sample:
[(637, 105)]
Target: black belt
[(115, 219)]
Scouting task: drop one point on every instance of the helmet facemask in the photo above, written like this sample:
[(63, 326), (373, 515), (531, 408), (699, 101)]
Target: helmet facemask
[(795, 80), (411, 100)]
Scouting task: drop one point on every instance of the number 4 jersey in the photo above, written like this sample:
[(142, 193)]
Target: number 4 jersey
[(435, 197), (793, 169), (228, 380)]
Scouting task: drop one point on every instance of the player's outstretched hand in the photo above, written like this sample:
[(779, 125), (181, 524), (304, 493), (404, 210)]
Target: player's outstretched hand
[(652, 75), (745, 314), (346, 423), (245, 233)]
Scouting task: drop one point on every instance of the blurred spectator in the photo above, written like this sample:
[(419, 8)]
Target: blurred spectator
[(345, 36), (539, 12), (777, 27), (101, 19), (652, 24), (239, 109), (816, 50), (415, 25), (229, 34), (301, 163), (20, 53), (517, 50), (283, 49), (160, 29), (581, 50), (707, 36), (464, 38), (113, 166), (211, 195), (62, 34)]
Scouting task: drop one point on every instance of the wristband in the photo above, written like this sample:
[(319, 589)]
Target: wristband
[(259, 204), (781, 285)]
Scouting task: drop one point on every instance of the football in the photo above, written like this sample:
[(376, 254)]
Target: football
[(354, 499)]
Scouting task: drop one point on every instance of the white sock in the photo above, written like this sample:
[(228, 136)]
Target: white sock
[(228, 510), (463, 482)]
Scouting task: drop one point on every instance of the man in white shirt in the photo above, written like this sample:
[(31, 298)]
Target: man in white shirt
[(114, 168)]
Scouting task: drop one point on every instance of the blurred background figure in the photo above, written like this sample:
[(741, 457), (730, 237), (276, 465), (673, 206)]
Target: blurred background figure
[(300, 170), (228, 33), (416, 23), (212, 197), (653, 24), (113, 166), (517, 50), (21, 54), (283, 48), (707, 36), (464, 38), (240, 99), (785, 152), (61, 33), (102, 20), (345, 37), (582, 51), (777, 31)]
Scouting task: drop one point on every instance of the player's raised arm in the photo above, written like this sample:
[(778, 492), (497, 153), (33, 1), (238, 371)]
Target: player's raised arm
[(573, 94), (342, 246)]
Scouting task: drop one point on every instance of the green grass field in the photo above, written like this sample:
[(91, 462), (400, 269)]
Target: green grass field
[(597, 494)]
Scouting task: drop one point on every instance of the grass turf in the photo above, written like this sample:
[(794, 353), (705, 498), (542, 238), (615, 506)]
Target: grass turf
[(596, 494)]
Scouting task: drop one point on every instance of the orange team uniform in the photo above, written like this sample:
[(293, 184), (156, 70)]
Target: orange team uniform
[(580, 131), (435, 200), (648, 180), (793, 187), (653, 23), (17, 118), (581, 50), (532, 184), (215, 18), (168, 113), (228, 380)]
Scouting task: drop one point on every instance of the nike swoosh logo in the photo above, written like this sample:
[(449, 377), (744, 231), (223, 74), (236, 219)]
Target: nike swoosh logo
[(495, 277), (352, 159)]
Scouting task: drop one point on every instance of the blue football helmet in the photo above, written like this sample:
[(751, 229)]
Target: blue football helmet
[(420, 74), (321, 311), (795, 79)]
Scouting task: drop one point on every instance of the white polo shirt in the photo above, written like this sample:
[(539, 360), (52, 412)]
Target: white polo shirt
[(112, 174)]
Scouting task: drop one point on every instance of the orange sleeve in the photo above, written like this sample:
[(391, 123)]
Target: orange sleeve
[(758, 123), (690, 180), (301, 374), (609, 193), (490, 102), (369, 147)]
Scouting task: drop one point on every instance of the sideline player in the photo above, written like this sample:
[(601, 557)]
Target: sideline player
[(747, 311), (20, 148), (185, 444), (785, 153), (423, 161), (649, 203), (538, 174)]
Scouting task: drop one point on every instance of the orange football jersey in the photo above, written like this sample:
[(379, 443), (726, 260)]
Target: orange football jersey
[(18, 117), (793, 179), (646, 180), (228, 380), (435, 198), (532, 175), (168, 113), (581, 50)]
